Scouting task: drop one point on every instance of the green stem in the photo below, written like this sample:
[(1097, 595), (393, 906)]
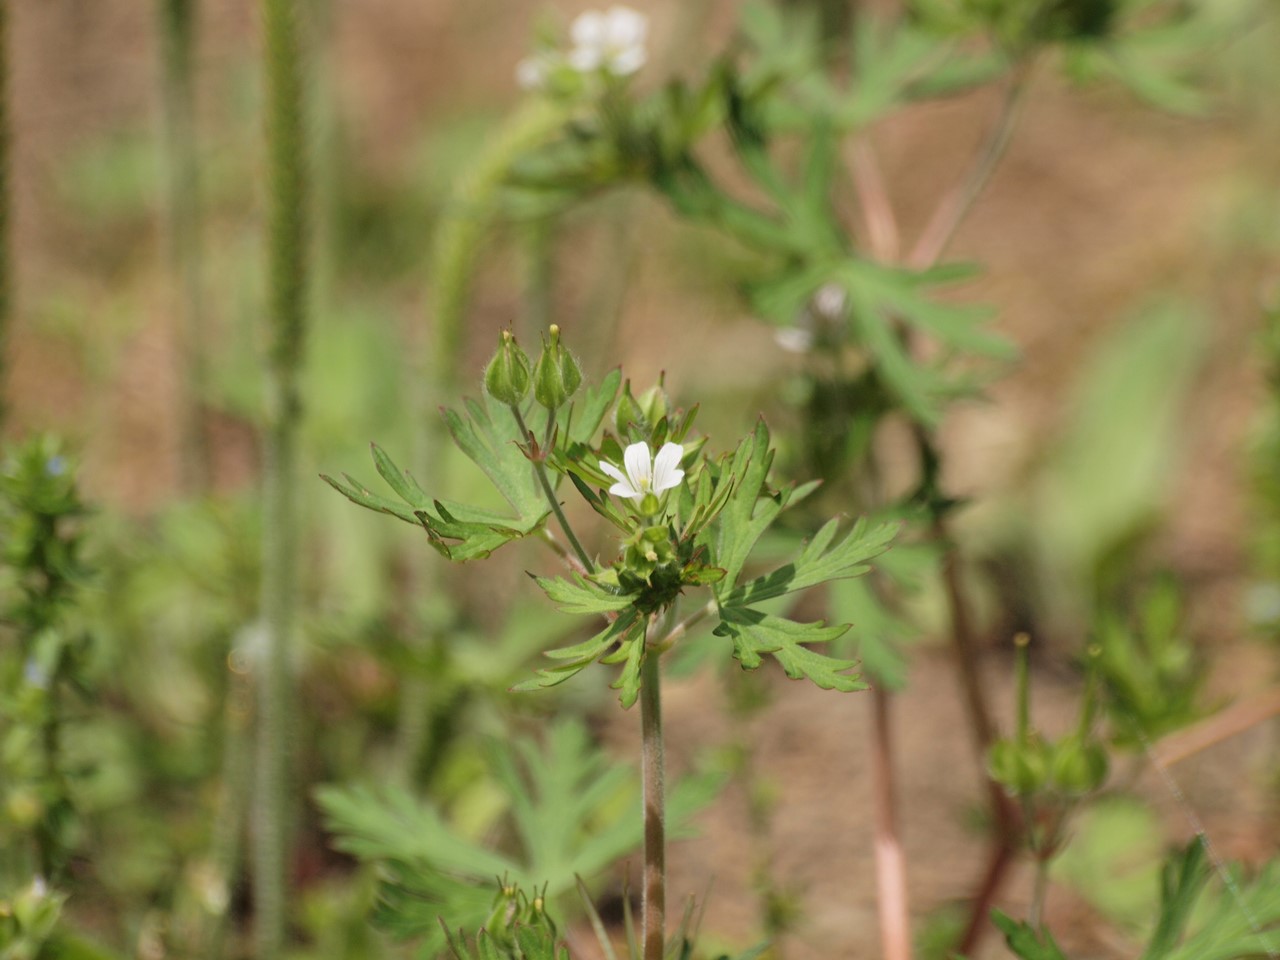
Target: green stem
[(654, 920), (178, 23), (544, 481), (287, 317)]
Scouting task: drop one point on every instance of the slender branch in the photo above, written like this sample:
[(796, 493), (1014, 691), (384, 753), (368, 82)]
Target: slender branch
[(891, 874), (684, 626), (873, 195), (654, 920), (956, 205), (540, 469)]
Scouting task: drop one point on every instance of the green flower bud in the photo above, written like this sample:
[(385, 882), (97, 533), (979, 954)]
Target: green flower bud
[(629, 414), (1021, 768), (507, 376), (1078, 766), (654, 403), (556, 377)]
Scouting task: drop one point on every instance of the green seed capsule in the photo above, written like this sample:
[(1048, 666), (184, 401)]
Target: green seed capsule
[(556, 376), (507, 376)]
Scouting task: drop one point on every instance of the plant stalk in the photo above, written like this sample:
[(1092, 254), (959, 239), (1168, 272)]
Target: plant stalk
[(956, 205), (178, 27), (287, 285), (654, 920), (891, 873), (6, 252), (540, 469)]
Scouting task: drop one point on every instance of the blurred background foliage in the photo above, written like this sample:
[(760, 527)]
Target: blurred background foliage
[(1119, 483)]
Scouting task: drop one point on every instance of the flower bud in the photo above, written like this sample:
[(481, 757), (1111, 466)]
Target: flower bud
[(1021, 768), (1078, 766), (556, 376), (629, 414), (654, 403), (507, 376)]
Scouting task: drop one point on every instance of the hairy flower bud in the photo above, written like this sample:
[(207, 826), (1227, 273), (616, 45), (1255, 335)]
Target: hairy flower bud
[(556, 377), (629, 414), (507, 376)]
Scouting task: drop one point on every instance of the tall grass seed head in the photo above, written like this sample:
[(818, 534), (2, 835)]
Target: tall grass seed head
[(507, 377)]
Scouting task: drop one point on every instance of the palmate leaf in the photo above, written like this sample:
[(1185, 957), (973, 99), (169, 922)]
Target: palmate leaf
[(582, 595), (570, 816), (880, 299), (1025, 942), (819, 562), (748, 509), (626, 633), (755, 634), (487, 433)]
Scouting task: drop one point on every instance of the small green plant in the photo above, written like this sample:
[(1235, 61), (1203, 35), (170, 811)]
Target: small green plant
[(684, 523)]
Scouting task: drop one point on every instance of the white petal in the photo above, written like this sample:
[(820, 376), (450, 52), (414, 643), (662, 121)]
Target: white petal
[(589, 29), (639, 465), (625, 26), (666, 467), (627, 61), (623, 487), (830, 301), (586, 59)]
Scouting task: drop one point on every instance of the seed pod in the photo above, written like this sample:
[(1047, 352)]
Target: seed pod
[(1078, 766), (1021, 768), (507, 376), (556, 377)]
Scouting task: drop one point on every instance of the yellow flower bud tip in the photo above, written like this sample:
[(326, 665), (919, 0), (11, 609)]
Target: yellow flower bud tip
[(506, 336), (555, 331), (1022, 640)]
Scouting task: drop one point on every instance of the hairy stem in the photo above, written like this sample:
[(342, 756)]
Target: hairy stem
[(891, 874), (654, 919), (540, 469), (287, 305)]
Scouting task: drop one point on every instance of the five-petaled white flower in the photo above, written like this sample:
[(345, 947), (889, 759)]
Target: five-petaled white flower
[(612, 41), (645, 475)]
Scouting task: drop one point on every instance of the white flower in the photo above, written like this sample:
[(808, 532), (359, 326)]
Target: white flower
[(612, 41), (531, 72), (830, 301), (794, 339), (645, 475)]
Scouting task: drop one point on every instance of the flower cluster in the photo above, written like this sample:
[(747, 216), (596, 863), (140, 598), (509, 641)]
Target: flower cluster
[(610, 42)]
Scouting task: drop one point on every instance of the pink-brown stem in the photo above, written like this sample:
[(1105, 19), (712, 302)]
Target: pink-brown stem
[(891, 873)]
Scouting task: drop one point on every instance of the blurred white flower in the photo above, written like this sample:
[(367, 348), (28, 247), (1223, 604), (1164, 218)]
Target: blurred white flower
[(612, 40), (645, 475), (829, 301), (794, 339), (532, 72)]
